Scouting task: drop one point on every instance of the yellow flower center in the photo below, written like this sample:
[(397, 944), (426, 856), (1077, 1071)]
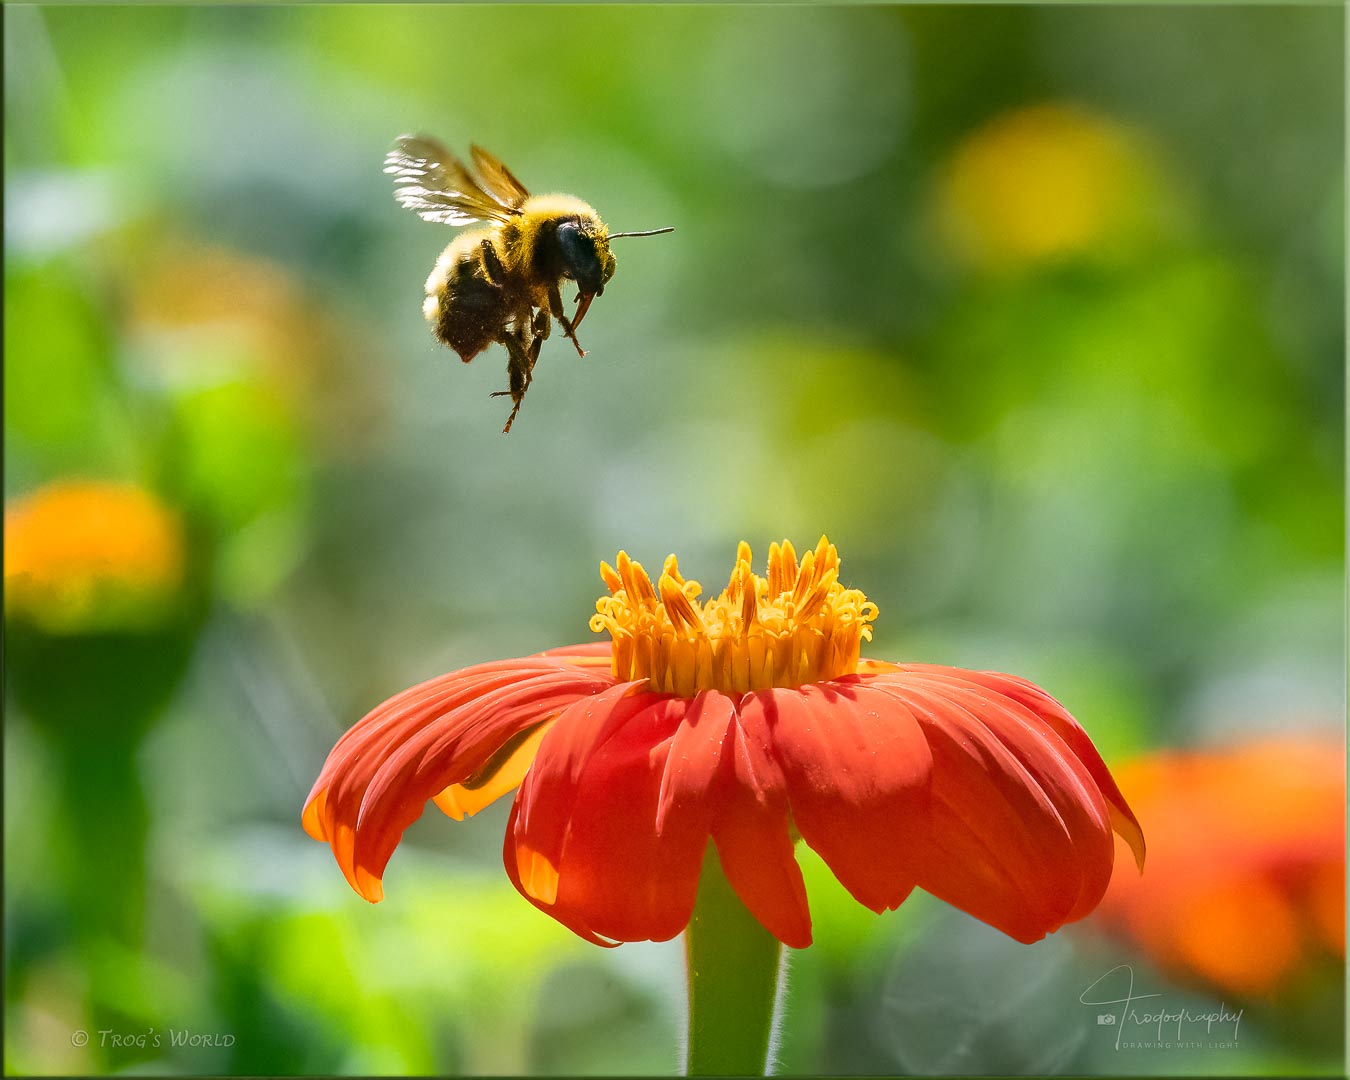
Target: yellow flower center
[(797, 625)]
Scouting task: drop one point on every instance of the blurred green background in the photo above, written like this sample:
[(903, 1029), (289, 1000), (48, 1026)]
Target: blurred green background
[(1037, 312)]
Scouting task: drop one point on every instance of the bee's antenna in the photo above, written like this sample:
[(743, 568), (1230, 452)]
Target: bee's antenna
[(649, 232)]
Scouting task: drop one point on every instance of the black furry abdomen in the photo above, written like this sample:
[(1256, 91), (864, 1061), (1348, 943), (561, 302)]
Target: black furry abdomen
[(467, 312)]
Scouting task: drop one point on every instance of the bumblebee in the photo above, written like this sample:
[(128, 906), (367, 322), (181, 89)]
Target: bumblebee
[(502, 283)]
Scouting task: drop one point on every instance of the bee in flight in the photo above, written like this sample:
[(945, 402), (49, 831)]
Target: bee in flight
[(503, 282)]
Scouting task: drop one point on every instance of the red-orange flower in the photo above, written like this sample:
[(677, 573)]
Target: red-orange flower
[(749, 720), (1247, 885)]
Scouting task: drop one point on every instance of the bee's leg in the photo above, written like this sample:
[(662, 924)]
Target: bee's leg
[(540, 327), (555, 305), (534, 356), (492, 265), (519, 364)]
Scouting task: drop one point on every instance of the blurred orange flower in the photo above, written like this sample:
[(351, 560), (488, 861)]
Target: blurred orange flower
[(750, 720), (1247, 874), (84, 556)]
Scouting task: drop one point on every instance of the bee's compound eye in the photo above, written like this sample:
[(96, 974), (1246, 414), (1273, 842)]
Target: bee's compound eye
[(580, 261)]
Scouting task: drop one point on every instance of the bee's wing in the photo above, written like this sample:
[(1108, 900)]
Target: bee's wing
[(433, 183), (497, 178)]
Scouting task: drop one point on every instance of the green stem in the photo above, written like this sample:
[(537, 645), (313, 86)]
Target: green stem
[(733, 965), (105, 856)]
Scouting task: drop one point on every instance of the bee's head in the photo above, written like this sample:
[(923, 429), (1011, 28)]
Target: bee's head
[(586, 258)]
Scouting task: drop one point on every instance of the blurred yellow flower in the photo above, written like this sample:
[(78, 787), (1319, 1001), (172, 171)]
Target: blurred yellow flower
[(1038, 184), (83, 556), (205, 314), (201, 317)]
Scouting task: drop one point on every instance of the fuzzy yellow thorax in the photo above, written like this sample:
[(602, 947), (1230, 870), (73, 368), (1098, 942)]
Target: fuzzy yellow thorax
[(796, 625)]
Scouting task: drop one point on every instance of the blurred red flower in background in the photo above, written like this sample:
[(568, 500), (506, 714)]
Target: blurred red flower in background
[(750, 720), (1246, 879)]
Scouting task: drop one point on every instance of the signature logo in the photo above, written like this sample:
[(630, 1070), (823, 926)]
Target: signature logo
[(1119, 981)]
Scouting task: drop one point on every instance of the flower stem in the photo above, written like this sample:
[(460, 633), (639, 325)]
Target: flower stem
[(733, 965)]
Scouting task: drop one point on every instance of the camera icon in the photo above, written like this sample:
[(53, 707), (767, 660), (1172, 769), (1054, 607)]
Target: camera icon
[(1106, 1019)]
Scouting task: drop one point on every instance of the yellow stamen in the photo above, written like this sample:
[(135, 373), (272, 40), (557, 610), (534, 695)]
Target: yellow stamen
[(795, 625)]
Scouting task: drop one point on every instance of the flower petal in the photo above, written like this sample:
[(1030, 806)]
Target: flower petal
[(542, 881), (1021, 836), (379, 776), (857, 771), (689, 783), (547, 792), (754, 838), (1050, 711), (590, 654), (500, 774), (584, 844)]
